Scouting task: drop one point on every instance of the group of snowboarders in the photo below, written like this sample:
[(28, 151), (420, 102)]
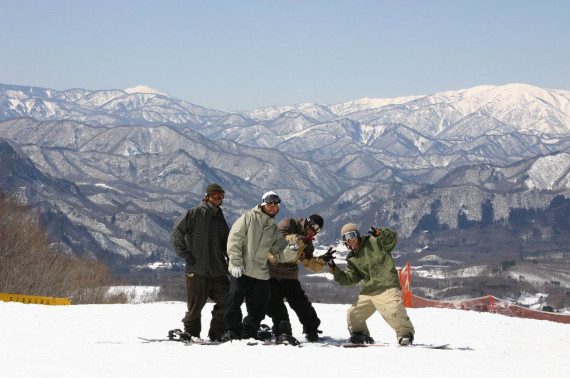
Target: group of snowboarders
[(256, 262)]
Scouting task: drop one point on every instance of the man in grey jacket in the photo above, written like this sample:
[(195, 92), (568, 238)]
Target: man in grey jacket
[(252, 238), (200, 237)]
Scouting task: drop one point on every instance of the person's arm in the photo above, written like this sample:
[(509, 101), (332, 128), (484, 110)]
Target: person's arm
[(316, 264), (236, 239), (388, 239), (350, 277), (285, 250), (182, 227)]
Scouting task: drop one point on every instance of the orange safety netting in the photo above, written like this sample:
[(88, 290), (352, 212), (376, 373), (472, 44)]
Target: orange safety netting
[(482, 304)]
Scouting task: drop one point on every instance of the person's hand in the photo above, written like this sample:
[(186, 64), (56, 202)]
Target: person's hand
[(375, 231), (328, 256), (295, 242), (190, 260), (331, 265), (237, 271)]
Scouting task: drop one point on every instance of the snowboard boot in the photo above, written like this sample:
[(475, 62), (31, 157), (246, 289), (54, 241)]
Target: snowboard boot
[(284, 334), (215, 337), (285, 339), (284, 327), (312, 336), (359, 337), (229, 336), (177, 334), (264, 333), (406, 340)]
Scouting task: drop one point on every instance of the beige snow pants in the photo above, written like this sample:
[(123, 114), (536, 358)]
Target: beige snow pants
[(389, 304)]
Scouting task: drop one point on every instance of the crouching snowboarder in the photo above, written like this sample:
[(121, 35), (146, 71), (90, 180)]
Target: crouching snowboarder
[(370, 261)]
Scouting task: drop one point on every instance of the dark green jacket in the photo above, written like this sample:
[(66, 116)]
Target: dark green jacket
[(372, 264)]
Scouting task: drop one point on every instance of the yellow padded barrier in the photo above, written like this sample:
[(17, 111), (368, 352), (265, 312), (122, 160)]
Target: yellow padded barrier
[(34, 299)]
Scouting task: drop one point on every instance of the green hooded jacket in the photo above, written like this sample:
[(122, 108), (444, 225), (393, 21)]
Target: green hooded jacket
[(372, 264)]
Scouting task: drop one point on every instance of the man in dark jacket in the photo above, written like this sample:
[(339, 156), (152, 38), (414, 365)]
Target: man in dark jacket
[(284, 282), (370, 264), (200, 238)]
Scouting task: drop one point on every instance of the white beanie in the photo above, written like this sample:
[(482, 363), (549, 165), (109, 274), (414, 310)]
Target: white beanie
[(263, 203)]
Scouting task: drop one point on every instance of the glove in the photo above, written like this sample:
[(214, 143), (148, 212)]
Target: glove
[(237, 271), (328, 256), (307, 239), (375, 231), (331, 265)]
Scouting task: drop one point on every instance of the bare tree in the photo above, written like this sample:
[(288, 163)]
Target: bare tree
[(29, 267)]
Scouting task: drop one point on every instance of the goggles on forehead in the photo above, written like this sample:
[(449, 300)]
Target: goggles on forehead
[(349, 236), (316, 228), (273, 198)]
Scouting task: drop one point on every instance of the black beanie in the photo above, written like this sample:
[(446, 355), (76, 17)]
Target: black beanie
[(317, 219)]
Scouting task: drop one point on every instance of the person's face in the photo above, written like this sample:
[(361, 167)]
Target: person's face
[(311, 229), (354, 243), (352, 240), (271, 209), (216, 198)]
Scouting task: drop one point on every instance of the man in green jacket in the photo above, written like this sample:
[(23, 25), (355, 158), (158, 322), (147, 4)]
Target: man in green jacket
[(370, 263), (252, 238)]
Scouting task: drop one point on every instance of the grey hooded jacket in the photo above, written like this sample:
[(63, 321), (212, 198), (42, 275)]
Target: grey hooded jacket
[(252, 238)]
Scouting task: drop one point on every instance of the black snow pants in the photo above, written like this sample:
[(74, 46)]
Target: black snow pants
[(255, 292), (290, 289)]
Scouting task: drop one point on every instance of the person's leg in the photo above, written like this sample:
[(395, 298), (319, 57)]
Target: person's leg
[(234, 300), (276, 309), (300, 303), (358, 313), (257, 300), (195, 299), (217, 291), (391, 306)]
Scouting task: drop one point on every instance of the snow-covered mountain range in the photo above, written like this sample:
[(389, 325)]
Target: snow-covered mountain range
[(112, 169)]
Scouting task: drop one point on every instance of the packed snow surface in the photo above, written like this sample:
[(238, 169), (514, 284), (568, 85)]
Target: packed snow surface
[(102, 341)]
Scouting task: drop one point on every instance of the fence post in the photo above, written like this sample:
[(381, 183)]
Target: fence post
[(492, 303)]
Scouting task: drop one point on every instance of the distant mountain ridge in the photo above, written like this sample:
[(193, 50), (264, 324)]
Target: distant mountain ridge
[(138, 158)]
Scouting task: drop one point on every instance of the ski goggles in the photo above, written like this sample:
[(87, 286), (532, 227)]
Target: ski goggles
[(272, 199), (216, 196), (349, 236), (316, 228)]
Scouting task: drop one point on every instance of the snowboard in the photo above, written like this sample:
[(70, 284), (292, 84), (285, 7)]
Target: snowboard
[(425, 346), (186, 342)]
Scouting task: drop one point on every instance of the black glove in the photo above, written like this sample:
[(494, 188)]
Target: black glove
[(328, 256), (331, 265), (375, 231)]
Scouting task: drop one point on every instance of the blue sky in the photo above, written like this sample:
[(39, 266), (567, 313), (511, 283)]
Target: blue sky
[(241, 55)]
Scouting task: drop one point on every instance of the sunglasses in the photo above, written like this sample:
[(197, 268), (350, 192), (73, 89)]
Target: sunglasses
[(316, 228), (217, 197), (272, 199), (349, 236)]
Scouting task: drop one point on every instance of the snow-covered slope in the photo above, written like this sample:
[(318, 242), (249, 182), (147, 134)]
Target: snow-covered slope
[(101, 341)]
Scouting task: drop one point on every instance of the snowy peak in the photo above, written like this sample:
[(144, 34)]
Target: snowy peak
[(140, 105), (144, 89)]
